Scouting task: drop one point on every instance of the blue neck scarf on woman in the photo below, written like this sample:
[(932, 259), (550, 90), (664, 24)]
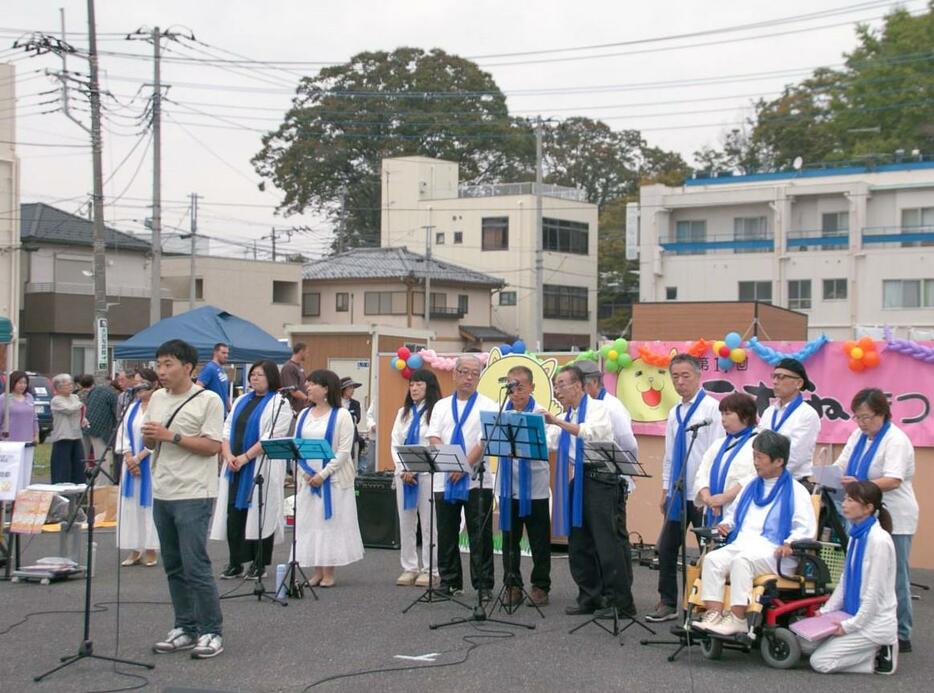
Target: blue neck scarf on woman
[(718, 473), (853, 572), (410, 491), (789, 410), (325, 488), (859, 463), (251, 434), (459, 490), (561, 519), (505, 482), (777, 525), (677, 458), (145, 471), (602, 393)]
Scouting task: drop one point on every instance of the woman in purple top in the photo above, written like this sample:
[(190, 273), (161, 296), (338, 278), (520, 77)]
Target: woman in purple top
[(18, 421)]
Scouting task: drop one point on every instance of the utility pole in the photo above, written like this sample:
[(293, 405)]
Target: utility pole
[(100, 265), (428, 228), (194, 233), (273, 236), (155, 281), (340, 236), (539, 311)]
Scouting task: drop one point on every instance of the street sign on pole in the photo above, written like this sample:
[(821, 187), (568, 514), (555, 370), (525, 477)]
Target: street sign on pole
[(102, 344)]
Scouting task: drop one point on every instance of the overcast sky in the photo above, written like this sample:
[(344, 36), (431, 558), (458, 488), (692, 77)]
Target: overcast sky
[(706, 88)]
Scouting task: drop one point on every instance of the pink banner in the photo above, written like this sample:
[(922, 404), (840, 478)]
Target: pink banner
[(648, 393)]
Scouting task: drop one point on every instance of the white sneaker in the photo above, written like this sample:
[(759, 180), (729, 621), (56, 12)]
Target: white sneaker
[(407, 579), (710, 618), (423, 581), (729, 625), (176, 641), (209, 645)]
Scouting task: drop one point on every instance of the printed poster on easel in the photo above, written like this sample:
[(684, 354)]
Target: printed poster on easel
[(11, 466), (30, 511)]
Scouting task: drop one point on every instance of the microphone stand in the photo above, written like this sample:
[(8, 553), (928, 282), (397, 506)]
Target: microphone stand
[(479, 614), (86, 648)]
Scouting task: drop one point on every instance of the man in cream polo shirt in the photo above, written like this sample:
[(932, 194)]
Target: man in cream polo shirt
[(183, 426)]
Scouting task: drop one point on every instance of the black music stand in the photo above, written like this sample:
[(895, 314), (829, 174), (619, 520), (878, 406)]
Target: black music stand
[(610, 458), (521, 436), (420, 459), (292, 450)]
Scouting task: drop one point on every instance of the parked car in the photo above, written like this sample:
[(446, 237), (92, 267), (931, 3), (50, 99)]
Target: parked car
[(40, 388)]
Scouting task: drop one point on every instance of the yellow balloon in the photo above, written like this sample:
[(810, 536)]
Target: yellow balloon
[(737, 355), (400, 364), (717, 346), (612, 354), (856, 353)]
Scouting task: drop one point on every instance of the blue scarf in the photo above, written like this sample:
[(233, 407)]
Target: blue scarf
[(325, 488), (505, 482), (677, 459), (410, 491), (602, 393), (561, 520), (859, 463), (718, 474), (145, 471), (459, 490), (251, 434), (789, 410), (777, 525), (853, 573)]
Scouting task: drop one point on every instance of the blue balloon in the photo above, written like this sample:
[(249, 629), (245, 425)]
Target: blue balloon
[(414, 362), (505, 350), (724, 363), (733, 340), (518, 347)]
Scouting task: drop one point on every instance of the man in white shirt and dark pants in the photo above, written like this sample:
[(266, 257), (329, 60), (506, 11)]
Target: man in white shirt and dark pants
[(695, 408), (455, 420), (792, 416)]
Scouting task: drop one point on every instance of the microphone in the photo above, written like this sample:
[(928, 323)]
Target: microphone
[(509, 384), (700, 424), (141, 386), (288, 388)]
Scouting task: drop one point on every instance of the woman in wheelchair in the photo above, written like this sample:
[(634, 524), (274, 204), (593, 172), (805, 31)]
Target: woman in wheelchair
[(727, 465), (865, 641), (772, 512)]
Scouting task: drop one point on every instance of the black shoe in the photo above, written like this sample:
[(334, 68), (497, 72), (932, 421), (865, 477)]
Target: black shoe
[(904, 646), (886, 660), (606, 612), (579, 610), (232, 572), (449, 590), (485, 596), (254, 572)]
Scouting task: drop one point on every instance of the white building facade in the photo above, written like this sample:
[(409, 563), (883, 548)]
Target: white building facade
[(850, 247), (492, 229), (10, 289)]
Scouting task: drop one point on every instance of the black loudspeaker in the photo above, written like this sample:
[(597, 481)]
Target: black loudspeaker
[(376, 511)]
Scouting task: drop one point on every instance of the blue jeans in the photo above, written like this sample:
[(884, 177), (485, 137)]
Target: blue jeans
[(183, 533), (903, 584)]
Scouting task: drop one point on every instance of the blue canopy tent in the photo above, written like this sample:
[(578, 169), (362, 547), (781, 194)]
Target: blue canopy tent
[(203, 328)]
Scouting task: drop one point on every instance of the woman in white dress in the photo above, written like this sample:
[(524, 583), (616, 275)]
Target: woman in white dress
[(413, 490), (135, 528), (727, 465), (865, 641), (328, 533), (257, 415)]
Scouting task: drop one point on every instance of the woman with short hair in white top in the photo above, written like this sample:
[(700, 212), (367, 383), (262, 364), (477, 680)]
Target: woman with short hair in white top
[(326, 505), (880, 452), (865, 641), (727, 464), (413, 490), (135, 527)]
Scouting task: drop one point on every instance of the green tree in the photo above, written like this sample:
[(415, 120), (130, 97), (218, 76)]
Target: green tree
[(618, 285), (345, 120)]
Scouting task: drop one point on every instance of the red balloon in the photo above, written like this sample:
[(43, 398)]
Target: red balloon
[(871, 358), (724, 352), (857, 366), (848, 346), (406, 372), (866, 343), (403, 353)]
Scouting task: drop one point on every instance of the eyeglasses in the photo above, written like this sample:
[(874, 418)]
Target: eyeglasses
[(780, 377), (865, 418), (559, 385), (467, 373)]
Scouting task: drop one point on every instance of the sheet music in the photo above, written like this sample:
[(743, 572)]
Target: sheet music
[(828, 477)]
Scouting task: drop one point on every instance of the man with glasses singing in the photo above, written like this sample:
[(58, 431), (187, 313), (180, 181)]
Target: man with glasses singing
[(585, 501), (791, 416), (455, 420)]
